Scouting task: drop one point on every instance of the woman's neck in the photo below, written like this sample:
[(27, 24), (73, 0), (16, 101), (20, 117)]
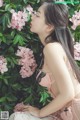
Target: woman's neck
[(42, 38)]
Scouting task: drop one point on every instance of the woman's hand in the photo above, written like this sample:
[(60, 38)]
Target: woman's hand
[(19, 107), (32, 110), (67, 115), (27, 108)]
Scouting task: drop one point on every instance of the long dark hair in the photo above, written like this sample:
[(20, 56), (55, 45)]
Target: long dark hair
[(57, 16)]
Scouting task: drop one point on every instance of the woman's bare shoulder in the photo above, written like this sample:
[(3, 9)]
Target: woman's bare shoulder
[(54, 48)]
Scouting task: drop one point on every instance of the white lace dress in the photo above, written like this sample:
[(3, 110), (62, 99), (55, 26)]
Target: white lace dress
[(26, 116)]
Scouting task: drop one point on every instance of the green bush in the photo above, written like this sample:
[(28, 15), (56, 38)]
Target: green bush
[(14, 88)]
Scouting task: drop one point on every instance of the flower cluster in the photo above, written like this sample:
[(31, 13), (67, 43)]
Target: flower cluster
[(27, 61), (3, 65), (77, 51), (18, 19), (75, 20), (1, 3)]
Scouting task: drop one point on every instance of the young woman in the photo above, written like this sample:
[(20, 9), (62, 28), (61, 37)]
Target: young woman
[(62, 74)]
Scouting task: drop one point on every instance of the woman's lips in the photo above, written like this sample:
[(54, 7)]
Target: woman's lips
[(30, 24)]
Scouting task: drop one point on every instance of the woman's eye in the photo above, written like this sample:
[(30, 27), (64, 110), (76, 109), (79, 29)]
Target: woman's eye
[(36, 13)]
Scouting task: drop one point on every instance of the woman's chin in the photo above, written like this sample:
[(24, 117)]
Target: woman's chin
[(32, 30)]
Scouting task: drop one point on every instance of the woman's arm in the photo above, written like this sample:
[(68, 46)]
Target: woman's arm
[(56, 63)]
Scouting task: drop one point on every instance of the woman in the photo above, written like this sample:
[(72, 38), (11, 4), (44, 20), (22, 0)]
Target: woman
[(62, 74)]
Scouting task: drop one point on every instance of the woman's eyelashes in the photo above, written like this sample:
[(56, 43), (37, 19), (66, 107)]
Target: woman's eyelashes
[(36, 13)]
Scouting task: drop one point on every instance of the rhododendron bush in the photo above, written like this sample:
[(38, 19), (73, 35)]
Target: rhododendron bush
[(20, 53)]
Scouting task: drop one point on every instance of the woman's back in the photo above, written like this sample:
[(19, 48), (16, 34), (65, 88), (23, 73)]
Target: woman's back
[(46, 69)]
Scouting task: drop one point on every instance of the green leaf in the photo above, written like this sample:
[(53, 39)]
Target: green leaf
[(11, 61), (5, 81), (7, 106), (19, 40), (5, 20), (1, 35), (7, 1), (13, 33), (28, 99), (2, 38), (14, 60), (12, 97), (16, 86), (11, 50), (0, 109), (2, 99), (10, 6), (38, 1), (25, 1), (44, 97), (1, 77), (78, 63), (7, 7)]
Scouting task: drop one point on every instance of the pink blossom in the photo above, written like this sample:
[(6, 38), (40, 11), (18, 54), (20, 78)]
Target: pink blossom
[(27, 61), (3, 65), (22, 52), (75, 20), (25, 72), (77, 51), (18, 19), (30, 9), (1, 3)]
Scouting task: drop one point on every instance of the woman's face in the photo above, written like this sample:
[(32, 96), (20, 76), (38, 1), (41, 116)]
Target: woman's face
[(38, 21)]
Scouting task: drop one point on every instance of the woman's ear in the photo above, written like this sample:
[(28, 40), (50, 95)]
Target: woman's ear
[(49, 28)]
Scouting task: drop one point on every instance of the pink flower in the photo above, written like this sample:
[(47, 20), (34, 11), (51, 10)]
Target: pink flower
[(3, 65), (25, 72), (27, 61), (18, 19), (22, 52), (29, 9), (1, 3), (75, 20), (77, 51)]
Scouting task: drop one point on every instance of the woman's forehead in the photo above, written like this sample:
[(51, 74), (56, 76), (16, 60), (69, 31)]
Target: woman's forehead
[(41, 9)]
